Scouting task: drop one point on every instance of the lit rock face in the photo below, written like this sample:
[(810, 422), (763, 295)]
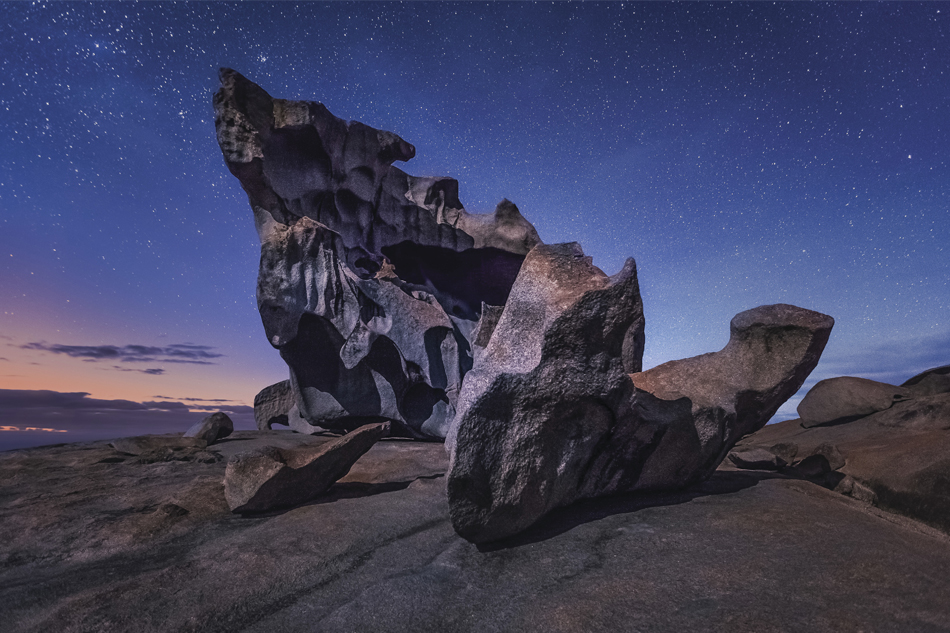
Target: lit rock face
[(371, 281), (557, 409), (539, 414), (696, 409)]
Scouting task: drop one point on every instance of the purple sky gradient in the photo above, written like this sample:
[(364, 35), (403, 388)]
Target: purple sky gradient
[(744, 154)]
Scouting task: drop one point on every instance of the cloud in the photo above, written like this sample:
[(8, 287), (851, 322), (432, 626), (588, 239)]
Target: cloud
[(21, 399), (37, 399), (152, 371), (34, 418), (179, 353), (193, 399)]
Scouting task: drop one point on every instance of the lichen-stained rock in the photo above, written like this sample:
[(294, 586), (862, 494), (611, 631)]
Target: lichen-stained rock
[(545, 398), (268, 478), (846, 398), (551, 417), (371, 280)]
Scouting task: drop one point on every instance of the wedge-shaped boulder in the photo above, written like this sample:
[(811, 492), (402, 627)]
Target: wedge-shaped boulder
[(269, 478), (557, 409), (847, 398)]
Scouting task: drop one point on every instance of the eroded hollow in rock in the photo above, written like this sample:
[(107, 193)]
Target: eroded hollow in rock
[(460, 281)]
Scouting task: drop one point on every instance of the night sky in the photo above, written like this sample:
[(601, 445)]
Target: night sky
[(744, 154)]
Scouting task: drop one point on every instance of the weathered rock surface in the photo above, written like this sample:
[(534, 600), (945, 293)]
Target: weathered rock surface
[(557, 410), (145, 443), (537, 413), (931, 382), (371, 280), (93, 546), (272, 405), (756, 459), (898, 458), (212, 428), (837, 400), (696, 409), (270, 477)]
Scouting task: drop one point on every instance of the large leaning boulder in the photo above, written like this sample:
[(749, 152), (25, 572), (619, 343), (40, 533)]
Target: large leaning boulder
[(371, 281), (696, 409), (558, 410)]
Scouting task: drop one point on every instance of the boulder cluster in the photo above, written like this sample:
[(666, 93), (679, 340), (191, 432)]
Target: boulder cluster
[(882, 444), (391, 303)]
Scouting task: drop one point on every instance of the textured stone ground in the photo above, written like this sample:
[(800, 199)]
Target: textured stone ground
[(94, 541)]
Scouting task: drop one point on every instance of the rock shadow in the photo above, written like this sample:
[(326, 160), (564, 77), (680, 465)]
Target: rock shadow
[(567, 518), (344, 490)]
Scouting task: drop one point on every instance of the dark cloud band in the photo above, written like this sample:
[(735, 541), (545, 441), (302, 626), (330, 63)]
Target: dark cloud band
[(178, 353)]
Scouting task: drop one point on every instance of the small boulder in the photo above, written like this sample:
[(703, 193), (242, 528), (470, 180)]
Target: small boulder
[(845, 399), (786, 451), (822, 460), (211, 429), (756, 459), (270, 477)]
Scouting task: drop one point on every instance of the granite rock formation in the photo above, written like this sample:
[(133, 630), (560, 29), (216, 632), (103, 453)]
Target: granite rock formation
[(371, 280), (270, 477), (212, 428), (92, 544), (272, 404), (558, 410), (846, 398), (141, 444), (537, 412), (895, 457), (929, 383)]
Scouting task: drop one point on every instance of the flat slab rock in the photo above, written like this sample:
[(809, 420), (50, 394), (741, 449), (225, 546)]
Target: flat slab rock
[(92, 545)]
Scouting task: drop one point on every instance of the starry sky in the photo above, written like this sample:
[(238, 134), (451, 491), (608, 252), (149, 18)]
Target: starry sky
[(743, 153)]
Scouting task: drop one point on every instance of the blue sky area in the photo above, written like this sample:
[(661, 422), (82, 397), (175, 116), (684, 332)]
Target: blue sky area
[(743, 153)]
